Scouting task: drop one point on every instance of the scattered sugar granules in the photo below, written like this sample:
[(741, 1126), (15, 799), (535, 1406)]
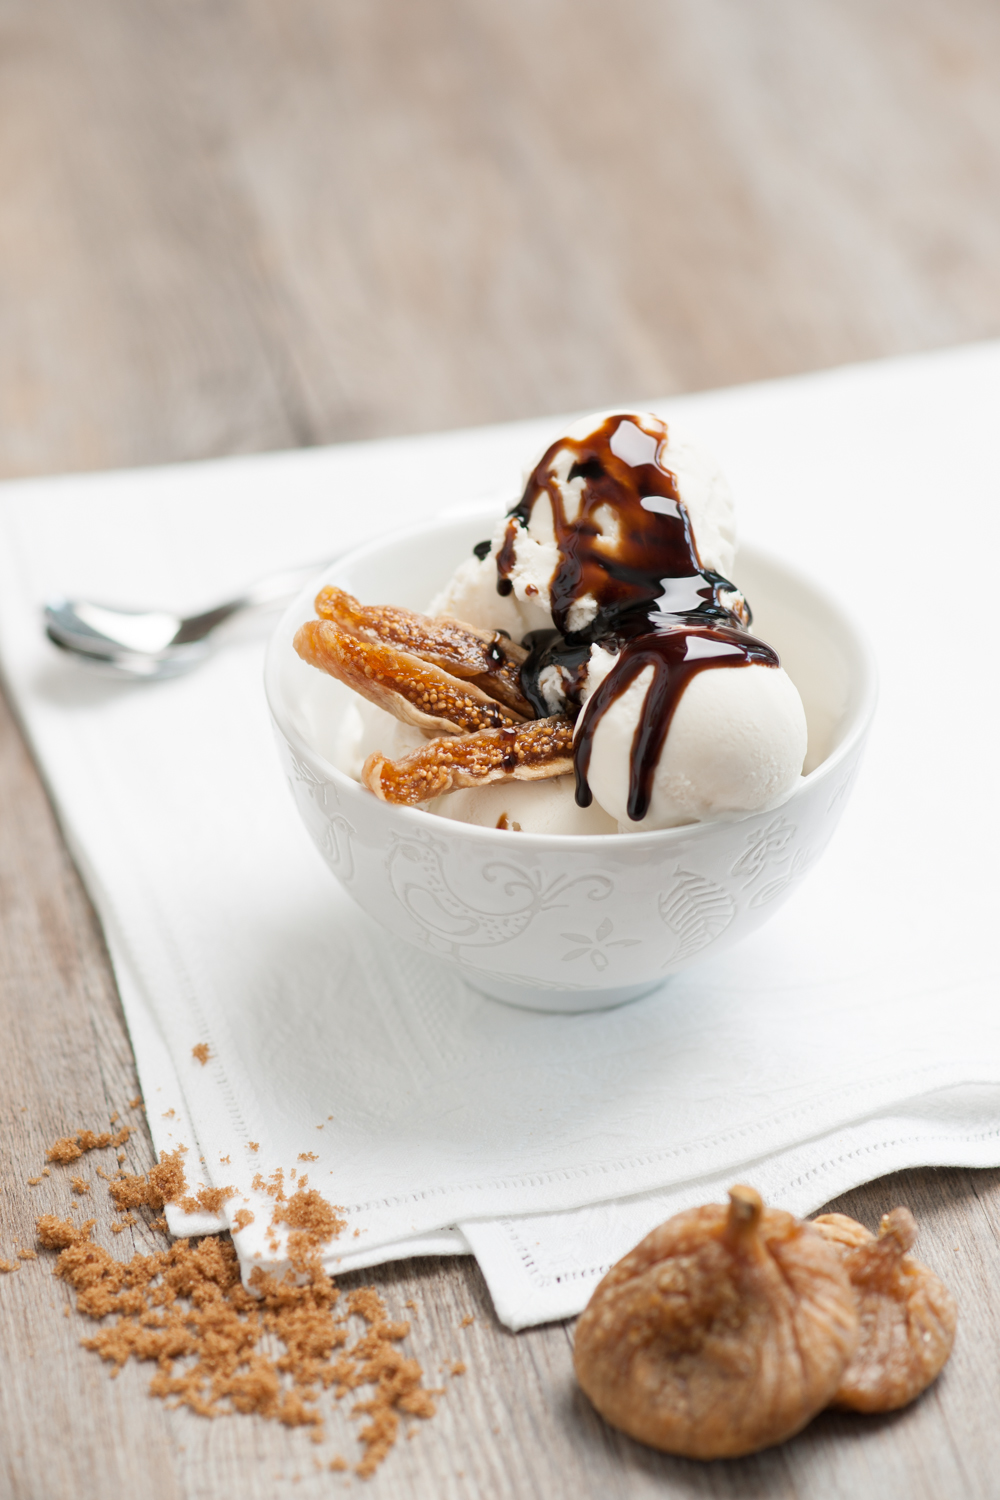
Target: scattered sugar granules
[(201, 1053), (185, 1309), (80, 1185), (71, 1147), (207, 1200), (163, 1184)]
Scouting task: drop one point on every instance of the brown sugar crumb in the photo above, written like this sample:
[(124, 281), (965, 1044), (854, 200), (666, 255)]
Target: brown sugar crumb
[(58, 1234), (458, 1367), (467, 1321), (338, 1465), (185, 1309), (225, 1160), (168, 1114), (136, 1102), (112, 1118), (207, 1200), (201, 1053), (253, 1145), (411, 1305), (121, 1157), (80, 1185), (125, 1223), (34, 1181), (312, 1220), (165, 1183), (64, 1150), (273, 1186), (8, 1265), (71, 1147), (24, 1254), (241, 1219), (308, 1156)]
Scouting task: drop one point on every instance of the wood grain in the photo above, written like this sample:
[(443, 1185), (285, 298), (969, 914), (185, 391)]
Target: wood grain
[(235, 225), (242, 224)]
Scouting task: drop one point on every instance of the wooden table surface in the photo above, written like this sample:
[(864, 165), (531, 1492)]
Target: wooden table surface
[(235, 225)]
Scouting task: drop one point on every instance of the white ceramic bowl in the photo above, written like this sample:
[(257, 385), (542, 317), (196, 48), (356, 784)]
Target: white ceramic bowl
[(569, 923)]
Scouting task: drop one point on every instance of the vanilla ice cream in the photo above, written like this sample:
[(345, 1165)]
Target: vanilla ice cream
[(736, 743), (613, 570), (526, 807)]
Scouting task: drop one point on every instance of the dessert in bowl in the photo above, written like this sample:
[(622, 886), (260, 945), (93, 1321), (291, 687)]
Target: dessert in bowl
[(510, 859)]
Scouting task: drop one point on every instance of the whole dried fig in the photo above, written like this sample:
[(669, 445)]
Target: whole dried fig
[(907, 1314), (723, 1332)]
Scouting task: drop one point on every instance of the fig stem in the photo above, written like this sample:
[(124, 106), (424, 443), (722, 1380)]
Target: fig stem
[(745, 1209), (901, 1226)]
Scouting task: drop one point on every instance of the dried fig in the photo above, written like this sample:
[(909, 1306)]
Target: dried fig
[(723, 1332), (907, 1313)]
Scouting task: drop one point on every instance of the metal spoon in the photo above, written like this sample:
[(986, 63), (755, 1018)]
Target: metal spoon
[(153, 643)]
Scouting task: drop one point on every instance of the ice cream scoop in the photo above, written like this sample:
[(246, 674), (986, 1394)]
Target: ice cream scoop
[(560, 492), (526, 807), (612, 569), (610, 512), (736, 744)]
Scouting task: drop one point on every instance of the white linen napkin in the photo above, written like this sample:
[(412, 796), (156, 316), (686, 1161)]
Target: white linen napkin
[(857, 1033)]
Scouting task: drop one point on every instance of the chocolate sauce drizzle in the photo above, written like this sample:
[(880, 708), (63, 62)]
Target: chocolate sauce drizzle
[(624, 539)]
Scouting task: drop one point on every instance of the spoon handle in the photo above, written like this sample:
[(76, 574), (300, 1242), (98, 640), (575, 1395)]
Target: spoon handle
[(274, 589)]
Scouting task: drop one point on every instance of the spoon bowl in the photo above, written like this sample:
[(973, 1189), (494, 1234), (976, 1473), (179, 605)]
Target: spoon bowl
[(155, 643)]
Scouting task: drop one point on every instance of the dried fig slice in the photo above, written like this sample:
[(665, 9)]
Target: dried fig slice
[(412, 690), (723, 1332), (907, 1313), (487, 658), (524, 752)]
